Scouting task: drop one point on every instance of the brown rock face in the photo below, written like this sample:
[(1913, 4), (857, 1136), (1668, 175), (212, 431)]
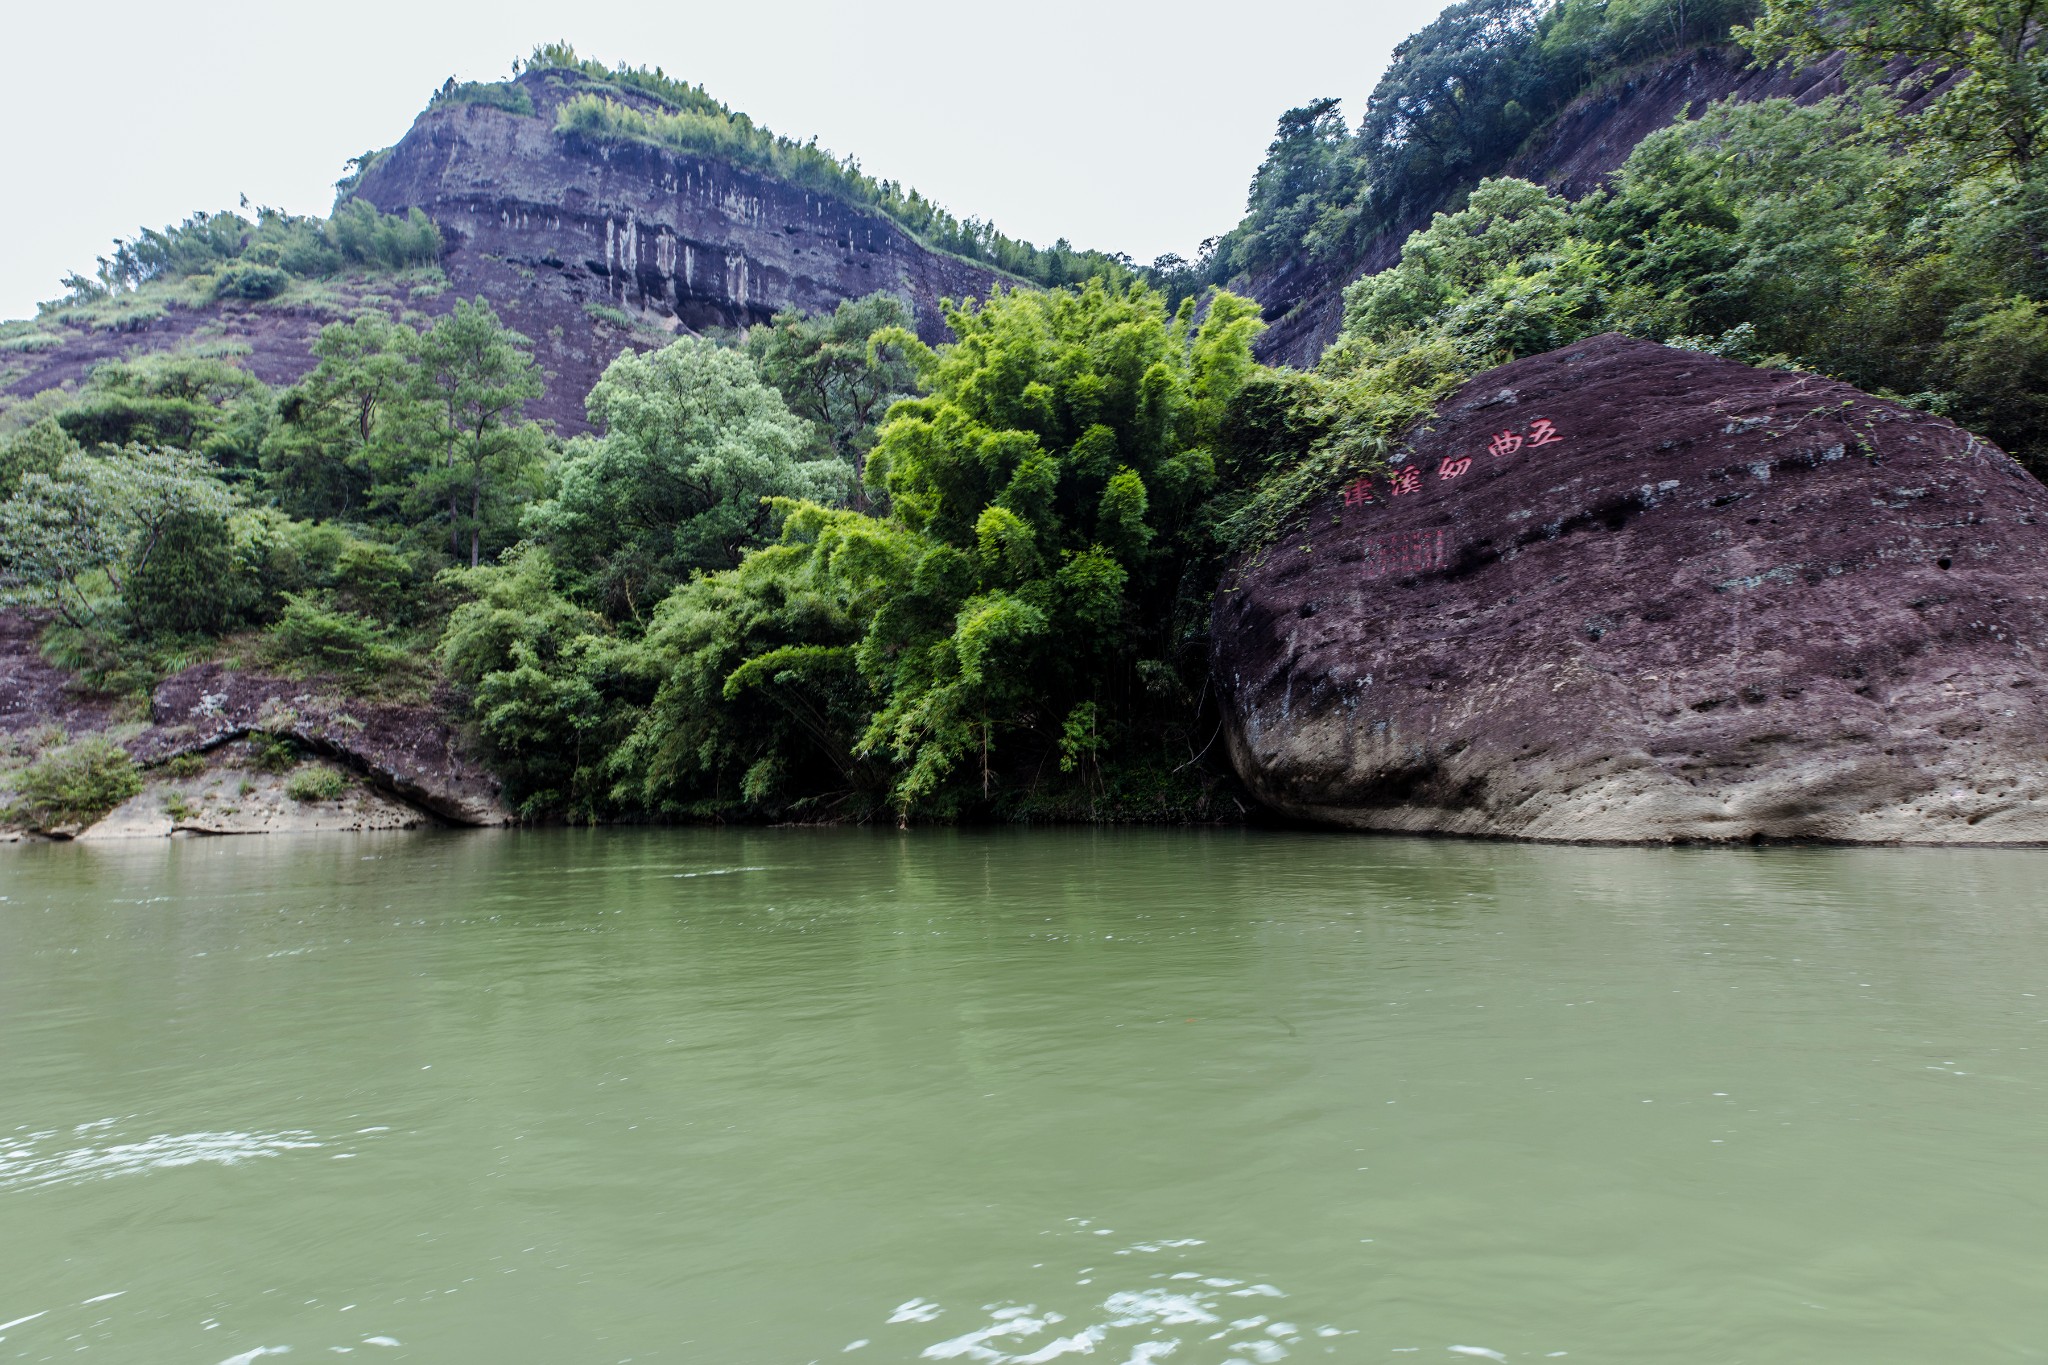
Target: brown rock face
[(1626, 592)]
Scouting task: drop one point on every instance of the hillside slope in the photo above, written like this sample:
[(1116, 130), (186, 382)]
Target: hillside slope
[(1573, 153)]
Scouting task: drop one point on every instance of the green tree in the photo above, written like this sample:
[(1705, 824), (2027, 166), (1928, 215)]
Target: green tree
[(831, 376), (472, 378), (1059, 470), (188, 402), (761, 703), (339, 426), (1460, 98), (190, 581), (1507, 275), (36, 449), (1987, 53), (693, 442), (74, 540), (551, 691)]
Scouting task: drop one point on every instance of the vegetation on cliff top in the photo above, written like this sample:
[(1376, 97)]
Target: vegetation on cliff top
[(241, 258), (609, 104)]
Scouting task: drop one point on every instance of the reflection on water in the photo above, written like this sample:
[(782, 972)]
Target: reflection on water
[(1191, 1099)]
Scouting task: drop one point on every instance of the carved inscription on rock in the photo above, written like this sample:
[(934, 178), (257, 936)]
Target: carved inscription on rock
[(1411, 552), (1398, 553)]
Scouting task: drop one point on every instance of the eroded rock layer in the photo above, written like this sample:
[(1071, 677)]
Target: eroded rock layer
[(412, 753), (1626, 592)]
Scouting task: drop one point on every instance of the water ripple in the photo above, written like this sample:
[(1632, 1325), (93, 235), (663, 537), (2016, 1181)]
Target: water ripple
[(27, 1163), (1149, 1322)]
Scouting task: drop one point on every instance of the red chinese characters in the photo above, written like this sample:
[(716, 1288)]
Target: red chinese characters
[(1542, 432), (1360, 492)]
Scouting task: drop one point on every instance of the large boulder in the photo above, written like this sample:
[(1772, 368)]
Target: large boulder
[(1632, 593)]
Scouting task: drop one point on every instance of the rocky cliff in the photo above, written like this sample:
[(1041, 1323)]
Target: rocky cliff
[(1626, 592), (588, 249), (563, 234)]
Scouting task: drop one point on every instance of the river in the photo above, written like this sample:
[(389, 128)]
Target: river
[(768, 1096)]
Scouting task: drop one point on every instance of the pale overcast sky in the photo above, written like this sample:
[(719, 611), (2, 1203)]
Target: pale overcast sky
[(1121, 125)]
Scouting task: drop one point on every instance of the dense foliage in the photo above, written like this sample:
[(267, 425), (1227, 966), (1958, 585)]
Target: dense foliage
[(1768, 232), (1022, 631), (175, 499), (693, 443)]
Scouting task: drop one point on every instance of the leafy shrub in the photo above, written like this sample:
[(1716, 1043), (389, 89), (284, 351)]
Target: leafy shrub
[(271, 754), (316, 783), (33, 450), (312, 635), (65, 537), (379, 581), (186, 766), (176, 399), (251, 281), (190, 581), (491, 94), (74, 784)]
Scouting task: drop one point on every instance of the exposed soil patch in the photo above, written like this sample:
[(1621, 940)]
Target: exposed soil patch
[(35, 694)]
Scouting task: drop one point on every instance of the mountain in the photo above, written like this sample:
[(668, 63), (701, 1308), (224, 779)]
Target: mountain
[(589, 242), (571, 235)]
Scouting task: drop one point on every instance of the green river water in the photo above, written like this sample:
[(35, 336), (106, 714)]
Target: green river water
[(1188, 1098)]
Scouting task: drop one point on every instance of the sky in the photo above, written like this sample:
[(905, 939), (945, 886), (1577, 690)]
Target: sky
[(1119, 125)]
